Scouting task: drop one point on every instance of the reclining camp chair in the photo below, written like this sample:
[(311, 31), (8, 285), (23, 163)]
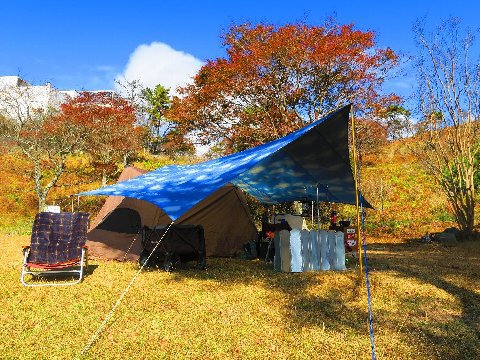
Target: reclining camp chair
[(57, 247)]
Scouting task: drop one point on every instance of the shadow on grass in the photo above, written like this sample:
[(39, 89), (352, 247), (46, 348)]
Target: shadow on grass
[(303, 307), (60, 279), (456, 337), (335, 299)]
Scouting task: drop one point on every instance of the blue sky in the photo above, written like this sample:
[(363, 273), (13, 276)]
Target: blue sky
[(87, 44)]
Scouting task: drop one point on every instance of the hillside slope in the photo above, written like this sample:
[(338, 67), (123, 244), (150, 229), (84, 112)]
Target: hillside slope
[(406, 199)]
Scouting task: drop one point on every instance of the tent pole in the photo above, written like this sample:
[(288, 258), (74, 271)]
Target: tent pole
[(313, 214), (355, 175), (318, 212)]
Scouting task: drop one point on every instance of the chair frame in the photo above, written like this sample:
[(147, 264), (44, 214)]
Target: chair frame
[(51, 269)]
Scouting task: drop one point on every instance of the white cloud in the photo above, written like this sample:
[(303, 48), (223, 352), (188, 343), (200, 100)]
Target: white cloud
[(159, 63)]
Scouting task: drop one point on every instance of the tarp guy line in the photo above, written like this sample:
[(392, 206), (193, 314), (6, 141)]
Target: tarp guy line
[(114, 307)]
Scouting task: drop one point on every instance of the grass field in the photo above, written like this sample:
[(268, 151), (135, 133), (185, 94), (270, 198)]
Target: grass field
[(425, 297)]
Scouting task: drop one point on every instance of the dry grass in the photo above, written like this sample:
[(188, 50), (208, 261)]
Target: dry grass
[(426, 303)]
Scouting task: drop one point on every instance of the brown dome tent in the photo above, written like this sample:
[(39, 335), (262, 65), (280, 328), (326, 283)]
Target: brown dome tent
[(224, 216)]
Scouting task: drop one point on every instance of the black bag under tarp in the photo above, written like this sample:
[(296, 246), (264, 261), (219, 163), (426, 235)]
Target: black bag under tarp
[(181, 243)]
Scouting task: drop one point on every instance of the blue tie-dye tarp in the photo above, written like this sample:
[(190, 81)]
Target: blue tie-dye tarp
[(287, 169)]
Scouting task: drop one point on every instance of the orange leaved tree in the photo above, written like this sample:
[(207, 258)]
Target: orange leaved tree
[(46, 139), (99, 123), (109, 123), (275, 79)]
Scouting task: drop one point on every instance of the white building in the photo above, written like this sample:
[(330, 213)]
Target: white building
[(20, 100)]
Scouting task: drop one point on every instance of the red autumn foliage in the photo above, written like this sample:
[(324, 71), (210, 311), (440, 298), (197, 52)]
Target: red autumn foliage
[(109, 123), (275, 79)]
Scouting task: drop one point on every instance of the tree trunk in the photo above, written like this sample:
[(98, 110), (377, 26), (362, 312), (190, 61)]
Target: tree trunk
[(42, 201), (104, 177), (465, 220), (463, 203), (37, 177)]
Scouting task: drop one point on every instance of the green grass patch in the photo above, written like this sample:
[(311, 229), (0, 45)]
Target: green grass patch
[(16, 225)]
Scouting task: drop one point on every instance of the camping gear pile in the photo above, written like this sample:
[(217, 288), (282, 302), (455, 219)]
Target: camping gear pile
[(310, 164), (180, 244), (304, 250)]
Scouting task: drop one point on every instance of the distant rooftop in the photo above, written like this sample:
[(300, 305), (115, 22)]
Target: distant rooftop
[(18, 98), (12, 81), (16, 81)]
